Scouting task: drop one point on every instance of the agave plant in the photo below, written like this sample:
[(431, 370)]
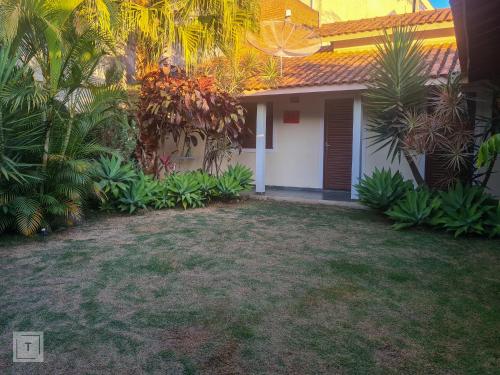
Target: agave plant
[(162, 198), (184, 189), (113, 176), (228, 187), (242, 174), (492, 221), (382, 189), (207, 184), (139, 194), (415, 208), (463, 210)]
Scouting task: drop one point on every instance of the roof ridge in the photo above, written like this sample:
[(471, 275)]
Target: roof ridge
[(326, 50), (400, 15), (433, 16)]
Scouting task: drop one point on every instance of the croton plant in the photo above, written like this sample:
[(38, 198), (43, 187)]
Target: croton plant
[(173, 104)]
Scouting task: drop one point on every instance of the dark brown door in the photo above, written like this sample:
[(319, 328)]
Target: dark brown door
[(338, 144)]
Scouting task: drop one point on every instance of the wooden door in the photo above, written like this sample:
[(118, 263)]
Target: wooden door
[(338, 144)]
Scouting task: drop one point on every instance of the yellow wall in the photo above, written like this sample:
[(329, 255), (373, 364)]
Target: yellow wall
[(343, 10)]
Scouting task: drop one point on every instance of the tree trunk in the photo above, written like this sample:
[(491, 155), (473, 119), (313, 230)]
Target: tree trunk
[(130, 57), (414, 169), (67, 136), (46, 145)]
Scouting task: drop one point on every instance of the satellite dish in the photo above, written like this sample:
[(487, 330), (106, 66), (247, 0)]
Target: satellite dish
[(283, 38)]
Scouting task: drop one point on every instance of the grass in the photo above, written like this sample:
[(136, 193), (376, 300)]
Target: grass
[(253, 288)]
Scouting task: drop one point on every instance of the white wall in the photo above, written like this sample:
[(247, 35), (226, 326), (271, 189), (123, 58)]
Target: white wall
[(373, 158), (296, 159)]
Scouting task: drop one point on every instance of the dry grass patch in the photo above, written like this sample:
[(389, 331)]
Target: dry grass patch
[(252, 288)]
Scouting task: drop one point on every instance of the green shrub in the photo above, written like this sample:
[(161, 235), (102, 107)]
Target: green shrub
[(492, 221), (464, 210), (184, 189), (242, 174), (112, 176), (228, 187), (382, 189), (415, 208), (161, 198), (207, 184), (139, 195)]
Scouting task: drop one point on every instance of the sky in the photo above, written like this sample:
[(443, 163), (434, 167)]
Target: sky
[(440, 3)]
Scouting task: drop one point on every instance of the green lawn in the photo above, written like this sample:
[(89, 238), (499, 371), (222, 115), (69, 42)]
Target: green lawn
[(252, 288)]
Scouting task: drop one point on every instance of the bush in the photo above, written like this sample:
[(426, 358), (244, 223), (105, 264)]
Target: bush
[(228, 187), (242, 174), (184, 189), (138, 195), (382, 189), (113, 176), (207, 185), (464, 210), (122, 188), (492, 221), (161, 198), (415, 208)]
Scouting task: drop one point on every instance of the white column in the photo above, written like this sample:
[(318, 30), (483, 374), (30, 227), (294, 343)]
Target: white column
[(260, 148), (356, 145)]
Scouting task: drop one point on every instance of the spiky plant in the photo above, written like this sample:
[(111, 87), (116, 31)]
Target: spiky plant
[(415, 208), (397, 87), (382, 189)]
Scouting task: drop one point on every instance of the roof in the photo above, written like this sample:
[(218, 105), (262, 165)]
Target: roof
[(339, 68), (380, 23)]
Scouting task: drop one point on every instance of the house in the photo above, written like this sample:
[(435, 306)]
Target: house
[(341, 10), (311, 128)]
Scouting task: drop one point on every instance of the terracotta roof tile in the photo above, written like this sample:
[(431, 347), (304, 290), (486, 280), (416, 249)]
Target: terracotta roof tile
[(336, 68), (380, 23)]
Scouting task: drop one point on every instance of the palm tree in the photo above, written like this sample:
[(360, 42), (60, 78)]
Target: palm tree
[(189, 29), (57, 105), (185, 29), (49, 112)]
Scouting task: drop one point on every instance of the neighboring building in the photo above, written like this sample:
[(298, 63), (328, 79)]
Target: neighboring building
[(309, 131), (301, 13), (342, 10)]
